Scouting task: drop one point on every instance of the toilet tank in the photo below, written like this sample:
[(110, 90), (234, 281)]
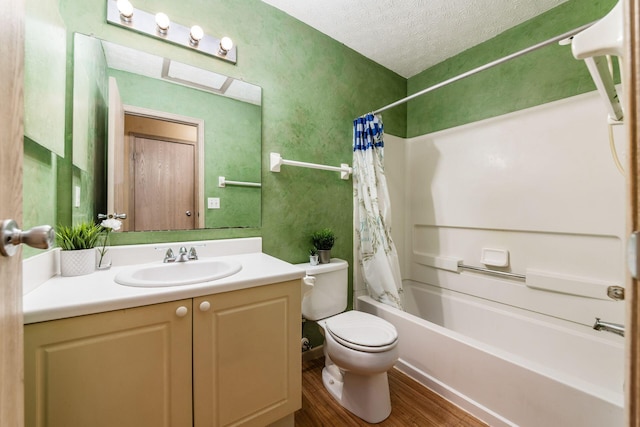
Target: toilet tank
[(329, 293)]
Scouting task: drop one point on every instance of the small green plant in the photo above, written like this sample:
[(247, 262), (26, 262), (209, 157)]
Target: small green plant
[(313, 251), (81, 236), (323, 239)]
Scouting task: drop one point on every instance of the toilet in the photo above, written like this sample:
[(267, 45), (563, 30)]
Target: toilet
[(359, 348)]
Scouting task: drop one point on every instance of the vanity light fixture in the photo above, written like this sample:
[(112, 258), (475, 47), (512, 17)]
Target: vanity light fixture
[(226, 44), (195, 35), (162, 23), (125, 9), (121, 13)]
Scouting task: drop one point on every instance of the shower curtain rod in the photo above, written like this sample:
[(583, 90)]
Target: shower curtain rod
[(486, 66)]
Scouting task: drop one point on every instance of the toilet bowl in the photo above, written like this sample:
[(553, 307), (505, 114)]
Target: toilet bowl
[(359, 347), (357, 361)]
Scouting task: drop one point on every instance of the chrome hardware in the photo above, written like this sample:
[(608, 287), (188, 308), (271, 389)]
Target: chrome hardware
[(609, 327), (41, 237), (169, 256), (188, 213), (182, 255), (615, 292), (113, 215), (193, 255)]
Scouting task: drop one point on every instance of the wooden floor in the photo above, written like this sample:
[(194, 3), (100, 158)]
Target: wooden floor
[(411, 404)]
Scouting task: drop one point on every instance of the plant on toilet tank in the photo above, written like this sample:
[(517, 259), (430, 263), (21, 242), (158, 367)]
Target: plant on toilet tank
[(323, 240)]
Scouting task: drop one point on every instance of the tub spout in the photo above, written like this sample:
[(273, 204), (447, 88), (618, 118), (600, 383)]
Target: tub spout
[(609, 327)]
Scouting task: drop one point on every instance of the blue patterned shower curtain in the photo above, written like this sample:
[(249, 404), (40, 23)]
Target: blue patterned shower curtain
[(377, 254)]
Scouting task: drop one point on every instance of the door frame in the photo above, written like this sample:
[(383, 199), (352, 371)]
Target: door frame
[(176, 118), (632, 118)]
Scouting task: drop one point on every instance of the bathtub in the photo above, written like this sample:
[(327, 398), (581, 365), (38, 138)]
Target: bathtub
[(506, 366)]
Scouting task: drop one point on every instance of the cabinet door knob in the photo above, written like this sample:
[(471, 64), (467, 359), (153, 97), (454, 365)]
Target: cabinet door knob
[(205, 306), (182, 311)]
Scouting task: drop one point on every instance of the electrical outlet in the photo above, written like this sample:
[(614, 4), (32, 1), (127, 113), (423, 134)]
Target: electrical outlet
[(213, 202)]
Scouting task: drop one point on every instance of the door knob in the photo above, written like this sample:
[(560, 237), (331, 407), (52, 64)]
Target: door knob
[(11, 236), (188, 213)]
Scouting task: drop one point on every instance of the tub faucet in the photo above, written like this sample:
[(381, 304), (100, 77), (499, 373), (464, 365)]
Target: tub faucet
[(609, 327)]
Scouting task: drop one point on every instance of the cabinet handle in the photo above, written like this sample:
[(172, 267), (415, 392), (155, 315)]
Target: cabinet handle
[(182, 311), (205, 306)]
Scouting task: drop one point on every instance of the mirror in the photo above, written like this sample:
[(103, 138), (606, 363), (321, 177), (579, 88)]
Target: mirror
[(167, 132)]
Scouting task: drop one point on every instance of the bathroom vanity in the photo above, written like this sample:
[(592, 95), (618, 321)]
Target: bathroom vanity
[(225, 352)]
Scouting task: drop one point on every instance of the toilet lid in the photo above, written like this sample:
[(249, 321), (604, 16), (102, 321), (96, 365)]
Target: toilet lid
[(362, 331)]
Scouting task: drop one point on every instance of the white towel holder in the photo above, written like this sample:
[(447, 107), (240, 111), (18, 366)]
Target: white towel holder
[(223, 182), (277, 161)]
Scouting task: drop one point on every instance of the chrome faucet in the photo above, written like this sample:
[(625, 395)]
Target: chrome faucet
[(609, 327), (183, 256)]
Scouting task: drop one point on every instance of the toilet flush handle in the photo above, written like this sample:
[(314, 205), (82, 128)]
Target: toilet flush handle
[(307, 284)]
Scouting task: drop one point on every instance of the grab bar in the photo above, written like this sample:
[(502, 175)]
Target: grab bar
[(276, 161), (615, 328), (223, 182), (494, 272)]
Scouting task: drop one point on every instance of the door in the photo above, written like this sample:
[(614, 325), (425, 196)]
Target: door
[(163, 193), (632, 340), (246, 356), (124, 368), (11, 134)]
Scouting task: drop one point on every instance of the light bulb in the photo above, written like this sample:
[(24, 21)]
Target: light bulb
[(126, 10), (226, 44), (163, 22), (196, 35)]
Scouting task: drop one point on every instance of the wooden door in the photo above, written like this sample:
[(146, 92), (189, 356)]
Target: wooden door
[(632, 117), (11, 134), (124, 368), (164, 185), (246, 356)]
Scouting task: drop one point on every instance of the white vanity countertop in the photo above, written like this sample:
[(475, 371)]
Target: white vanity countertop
[(61, 297)]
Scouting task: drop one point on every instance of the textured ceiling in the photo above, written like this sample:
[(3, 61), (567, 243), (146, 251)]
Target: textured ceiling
[(409, 36)]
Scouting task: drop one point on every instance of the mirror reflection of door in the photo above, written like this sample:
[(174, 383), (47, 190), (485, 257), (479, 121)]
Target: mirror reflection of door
[(161, 177), (155, 167)]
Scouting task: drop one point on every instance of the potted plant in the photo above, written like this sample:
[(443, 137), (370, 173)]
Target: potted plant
[(77, 254), (323, 241), (313, 256)]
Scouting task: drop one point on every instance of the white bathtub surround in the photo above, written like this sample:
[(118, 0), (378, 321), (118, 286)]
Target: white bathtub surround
[(376, 252), (541, 184)]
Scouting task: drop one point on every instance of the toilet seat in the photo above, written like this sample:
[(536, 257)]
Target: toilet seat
[(362, 331)]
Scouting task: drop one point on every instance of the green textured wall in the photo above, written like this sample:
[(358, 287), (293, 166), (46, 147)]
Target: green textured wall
[(313, 88), (232, 142), (546, 75)]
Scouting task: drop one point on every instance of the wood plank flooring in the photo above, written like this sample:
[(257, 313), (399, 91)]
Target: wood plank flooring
[(412, 404)]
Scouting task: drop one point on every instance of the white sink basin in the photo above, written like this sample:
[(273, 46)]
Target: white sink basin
[(177, 273)]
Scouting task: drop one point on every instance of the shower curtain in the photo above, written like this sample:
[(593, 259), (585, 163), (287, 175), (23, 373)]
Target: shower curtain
[(372, 213)]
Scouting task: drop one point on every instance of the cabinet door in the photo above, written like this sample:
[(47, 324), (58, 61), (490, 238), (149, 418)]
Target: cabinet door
[(125, 368), (246, 356)]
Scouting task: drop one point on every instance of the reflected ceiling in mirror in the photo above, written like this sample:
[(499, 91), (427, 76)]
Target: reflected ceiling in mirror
[(228, 117)]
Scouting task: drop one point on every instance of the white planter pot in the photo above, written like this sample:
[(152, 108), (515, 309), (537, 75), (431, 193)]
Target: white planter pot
[(77, 263)]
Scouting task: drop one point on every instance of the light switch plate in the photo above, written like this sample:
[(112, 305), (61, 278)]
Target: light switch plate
[(76, 201)]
